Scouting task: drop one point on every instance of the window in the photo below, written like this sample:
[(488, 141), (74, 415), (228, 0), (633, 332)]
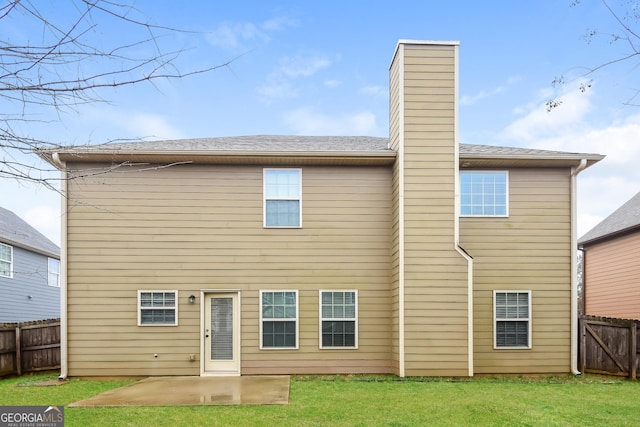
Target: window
[(54, 272), (157, 308), (6, 260), (279, 319), (484, 194), (338, 318), (512, 313), (282, 197)]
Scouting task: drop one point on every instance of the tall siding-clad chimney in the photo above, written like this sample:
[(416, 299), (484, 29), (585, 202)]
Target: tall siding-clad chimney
[(431, 282)]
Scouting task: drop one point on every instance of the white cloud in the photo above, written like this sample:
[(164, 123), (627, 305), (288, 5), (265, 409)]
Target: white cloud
[(280, 82), (467, 100), (577, 126), (46, 220), (332, 83), (308, 122), (236, 35), (375, 91), (149, 125)]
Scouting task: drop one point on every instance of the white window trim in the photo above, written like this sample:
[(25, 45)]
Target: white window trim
[(264, 198), (495, 321), (297, 319), (355, 347), (57, 285), (10, 276), (175, 292), (506, 215)]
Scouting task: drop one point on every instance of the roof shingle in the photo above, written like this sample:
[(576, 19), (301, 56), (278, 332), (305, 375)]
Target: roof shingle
[(15, 231), (626, 217)]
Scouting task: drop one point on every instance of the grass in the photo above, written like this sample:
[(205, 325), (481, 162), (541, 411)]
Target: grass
[(367, 401)]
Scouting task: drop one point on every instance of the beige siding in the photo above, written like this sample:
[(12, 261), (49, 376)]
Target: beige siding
[(529, 250), (192, 227), (612, 278), (436, 287)]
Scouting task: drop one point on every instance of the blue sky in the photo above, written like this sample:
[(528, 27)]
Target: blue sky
[(321, 68)]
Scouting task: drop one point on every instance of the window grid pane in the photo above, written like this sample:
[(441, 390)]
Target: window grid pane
[(512, 319), (279, 318), (338, 319), (483, 193), (6, 259), (282, 198), (157, 308)]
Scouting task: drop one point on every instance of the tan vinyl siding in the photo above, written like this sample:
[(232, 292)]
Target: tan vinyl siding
[(436, 287), (612, 277), (529, 250), (194, 227)]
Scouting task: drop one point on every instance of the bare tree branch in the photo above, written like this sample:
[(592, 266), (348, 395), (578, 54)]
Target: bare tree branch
[(61, 64)]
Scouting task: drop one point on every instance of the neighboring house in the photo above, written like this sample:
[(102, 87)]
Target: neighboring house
[(611, 270), (29, 272), (410, 255)]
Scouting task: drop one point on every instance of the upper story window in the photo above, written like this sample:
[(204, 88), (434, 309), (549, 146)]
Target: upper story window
[(54, 272), (283, 198), (6, 260), (484, 193)]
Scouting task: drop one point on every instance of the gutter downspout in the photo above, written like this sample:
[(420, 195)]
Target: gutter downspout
[(456, 241), (401, 240), (63, 267), (574, 266)]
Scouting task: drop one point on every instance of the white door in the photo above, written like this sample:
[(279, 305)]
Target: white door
[(221, 333)]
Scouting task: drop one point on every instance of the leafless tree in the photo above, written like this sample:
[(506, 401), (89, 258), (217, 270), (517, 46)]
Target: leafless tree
[(625, 15), (59, 62)]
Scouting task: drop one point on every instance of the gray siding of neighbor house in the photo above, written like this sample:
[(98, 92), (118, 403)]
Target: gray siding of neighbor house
[(27, 296)]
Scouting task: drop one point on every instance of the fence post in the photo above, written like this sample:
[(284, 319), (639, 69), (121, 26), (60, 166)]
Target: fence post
[(18, 355), (632, 349), (583, 344)]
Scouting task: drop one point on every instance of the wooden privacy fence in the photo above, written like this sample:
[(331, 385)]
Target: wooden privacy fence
[(609, 346), (29, 346)]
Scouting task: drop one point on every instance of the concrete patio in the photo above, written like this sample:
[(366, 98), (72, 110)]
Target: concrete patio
[(190, 391)]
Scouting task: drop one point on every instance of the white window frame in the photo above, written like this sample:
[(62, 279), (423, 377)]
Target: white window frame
[(511, 319), (9, 261), (152, 291), (338, 319), (506, 173), (282, 319), (51, 273), (265, 171)]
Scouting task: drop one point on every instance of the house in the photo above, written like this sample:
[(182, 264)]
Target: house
[(29, 272), (411, 255), (611, 271)]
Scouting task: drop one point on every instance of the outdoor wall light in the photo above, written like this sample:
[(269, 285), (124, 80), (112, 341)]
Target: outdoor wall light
[(192, 299)]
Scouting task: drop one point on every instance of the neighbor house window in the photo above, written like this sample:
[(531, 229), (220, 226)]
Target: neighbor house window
[(54, 272), (484, 193), (157, 308), (338, 319), (6, 260), (282, 197), (279, 319), (512, 314)]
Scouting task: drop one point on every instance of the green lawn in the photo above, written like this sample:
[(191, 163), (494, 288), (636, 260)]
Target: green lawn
[(368, 401)]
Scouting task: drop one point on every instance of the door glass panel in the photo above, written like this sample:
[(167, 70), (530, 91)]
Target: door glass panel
[(222, 328)]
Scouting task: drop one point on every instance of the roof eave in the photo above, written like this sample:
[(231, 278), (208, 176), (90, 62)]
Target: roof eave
[(470, 160), (230, 157), (610, 236), (30, 248)]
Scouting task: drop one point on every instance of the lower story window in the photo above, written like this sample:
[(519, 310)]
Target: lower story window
[(157, 308), (512, 317), (279, 319), (338, 318)]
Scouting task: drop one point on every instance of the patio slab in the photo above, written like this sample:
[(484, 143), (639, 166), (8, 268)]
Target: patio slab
[(195, 391)]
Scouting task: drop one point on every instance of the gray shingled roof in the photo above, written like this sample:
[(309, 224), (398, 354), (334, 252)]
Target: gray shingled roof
[(16, 232), (264, 143), (293, 143), (625, 218)]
